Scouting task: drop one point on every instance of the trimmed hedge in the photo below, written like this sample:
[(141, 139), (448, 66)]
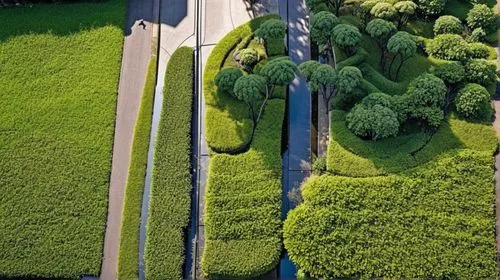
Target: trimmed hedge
[(228, 127), (243, 205), (436, 222), (128, 258), (170, 198), (373, 158)]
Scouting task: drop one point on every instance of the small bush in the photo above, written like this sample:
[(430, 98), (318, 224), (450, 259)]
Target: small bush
[(480, 71), (448, 24), (319, 165), (473, 102), (477, 35), (171, 184), (451, 73), (481, 16), (449, 46), (248, 57), (479, 50), (373, 122)]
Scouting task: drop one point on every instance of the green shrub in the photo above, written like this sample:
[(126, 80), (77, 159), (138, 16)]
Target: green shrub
[(429, 223), (347, 37), (479, 50), (431, 7), (481, 16), (242, 215), (374, 122), (228, 127), (170, 197), (275, 47), (59, 73), (477, 35), (451, 73), (448, 24), (449, 46), (248, 57), (226, 78), (480, 71), (128, 257), (473, 102)]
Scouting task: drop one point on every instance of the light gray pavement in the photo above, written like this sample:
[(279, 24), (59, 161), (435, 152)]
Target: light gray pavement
[(176, 29), (136, 55)]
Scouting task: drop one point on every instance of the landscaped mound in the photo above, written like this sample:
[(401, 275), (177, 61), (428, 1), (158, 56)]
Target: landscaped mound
[(433, 222)]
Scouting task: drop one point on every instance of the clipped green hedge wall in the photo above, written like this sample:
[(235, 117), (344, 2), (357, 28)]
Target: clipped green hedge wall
[(243, 205), (436, 222), (385, 156), (128, 257), (228, 127), (170, 198)]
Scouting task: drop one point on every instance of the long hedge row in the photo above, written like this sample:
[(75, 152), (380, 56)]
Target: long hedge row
[(128, 257), (170, 198), (436, 222), (243, 205), (373, 158), (228, 126)]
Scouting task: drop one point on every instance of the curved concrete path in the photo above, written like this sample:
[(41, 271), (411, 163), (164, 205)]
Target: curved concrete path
[(136, 55)]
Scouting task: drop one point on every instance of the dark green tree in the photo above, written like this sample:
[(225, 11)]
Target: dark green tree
[(322, 25), (402, 45), (307, 68), (321, 81), (249, 89), (348, 78), (226, 78), (271, 29), (381, 30), (347, 37)]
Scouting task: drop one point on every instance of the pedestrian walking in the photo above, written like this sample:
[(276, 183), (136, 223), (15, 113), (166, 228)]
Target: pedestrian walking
[(142, 24)]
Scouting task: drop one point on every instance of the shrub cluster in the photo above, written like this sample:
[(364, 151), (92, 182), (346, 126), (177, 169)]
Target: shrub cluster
[(449, 46), (480, 71), (473, 102), (432, 222), (228, 125), (243, 205), (170, 198), (128, 257)]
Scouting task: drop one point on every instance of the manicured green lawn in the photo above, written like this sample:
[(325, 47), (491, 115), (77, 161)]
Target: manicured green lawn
[(59, 68)]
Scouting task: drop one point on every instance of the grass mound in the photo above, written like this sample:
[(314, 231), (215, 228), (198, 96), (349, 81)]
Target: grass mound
[(59, 70)]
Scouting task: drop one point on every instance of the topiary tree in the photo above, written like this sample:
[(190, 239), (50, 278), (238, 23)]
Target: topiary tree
[(307, 68), (249, 88), (333, 5), (373, 122), (430, 7), (277, 72), (348, 79), (383, 10), (479, 50), (402, 45), (448, 24), (449, 47), (226, 78), (323, 77), (347, 37), (405, 9), (381, 30), (271, 29), (247, 58), (452, 74), (480, 71), (476, 35), (363, 10), (425, 99), (322, 25), (481, 16), (473, 102)]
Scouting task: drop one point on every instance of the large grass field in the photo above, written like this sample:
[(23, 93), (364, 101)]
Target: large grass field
[(59, 69)]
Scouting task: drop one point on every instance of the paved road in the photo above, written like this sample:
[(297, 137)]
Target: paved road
[(136, 55), (297, 158)]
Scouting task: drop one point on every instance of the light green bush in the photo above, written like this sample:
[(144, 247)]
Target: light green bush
[(448, 24), (473, 102), (170, 197)]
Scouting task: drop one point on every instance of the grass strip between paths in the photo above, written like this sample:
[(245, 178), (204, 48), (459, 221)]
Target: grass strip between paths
[(170, 198)]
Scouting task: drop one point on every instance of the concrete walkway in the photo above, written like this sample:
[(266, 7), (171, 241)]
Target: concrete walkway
[(297, 158), (136, 55), (177, 28)]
